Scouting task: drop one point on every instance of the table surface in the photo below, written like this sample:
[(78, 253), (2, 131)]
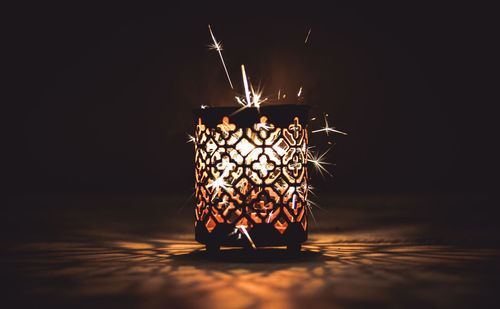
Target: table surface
[(140, 252)]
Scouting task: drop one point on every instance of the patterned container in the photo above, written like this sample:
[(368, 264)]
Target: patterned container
[(251, 176)]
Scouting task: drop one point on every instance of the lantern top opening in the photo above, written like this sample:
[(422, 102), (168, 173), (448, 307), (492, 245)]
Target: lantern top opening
[(279, 115)]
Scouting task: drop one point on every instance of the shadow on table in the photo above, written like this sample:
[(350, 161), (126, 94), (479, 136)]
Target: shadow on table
[(261, 255), (116, 269)]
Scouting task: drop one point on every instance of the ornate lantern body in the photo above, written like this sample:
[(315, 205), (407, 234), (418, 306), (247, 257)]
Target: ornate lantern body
[(251, 176)]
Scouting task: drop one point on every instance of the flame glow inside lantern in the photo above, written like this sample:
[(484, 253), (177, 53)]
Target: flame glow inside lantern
[(251, 176)]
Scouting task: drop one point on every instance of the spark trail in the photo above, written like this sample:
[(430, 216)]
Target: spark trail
[(218, 46)]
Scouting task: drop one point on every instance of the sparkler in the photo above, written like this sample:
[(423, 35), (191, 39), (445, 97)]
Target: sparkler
[(252, 96), (307, 36), (327, 128), (300, 91), (243, 229), (245, 84), (218, 46)]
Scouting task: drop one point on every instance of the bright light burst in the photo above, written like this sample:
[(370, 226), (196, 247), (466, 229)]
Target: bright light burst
[(240, 101), (191, 139), (318, 161), (243, 229), (256, 95), (220, 182), (218, 46), (215, 46), (327, 128), (262, 126), (252, 97)]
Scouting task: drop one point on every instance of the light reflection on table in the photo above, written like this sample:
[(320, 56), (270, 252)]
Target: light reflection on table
[(330, 271)]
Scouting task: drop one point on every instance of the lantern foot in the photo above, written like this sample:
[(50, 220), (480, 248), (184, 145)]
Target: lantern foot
[(293, 248), (212, 248)]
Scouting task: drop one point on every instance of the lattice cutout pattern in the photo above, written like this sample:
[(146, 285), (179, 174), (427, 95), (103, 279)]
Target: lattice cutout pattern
[(252, 175)]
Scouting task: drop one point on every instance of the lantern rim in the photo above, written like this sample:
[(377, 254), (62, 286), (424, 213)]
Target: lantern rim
[(279, 115)]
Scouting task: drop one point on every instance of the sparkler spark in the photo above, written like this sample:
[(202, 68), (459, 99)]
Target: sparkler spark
[(239, 109), (191, 139), (308, 204), (256, 96), (238, 99), (253, 97), (327, 128), (318, 161), (219, 182), (310, 189), (270, 216), (262, 126), (233, 232), (243, 229), (245, 84), (218, 47), (307, 36), (186, 202), (215, 46), (311, 203), (300, 91)]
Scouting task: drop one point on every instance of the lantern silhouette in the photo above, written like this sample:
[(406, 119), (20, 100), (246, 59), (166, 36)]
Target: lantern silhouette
[(251, 176)]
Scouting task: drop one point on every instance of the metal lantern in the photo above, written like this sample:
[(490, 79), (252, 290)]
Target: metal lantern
[(251, 176)]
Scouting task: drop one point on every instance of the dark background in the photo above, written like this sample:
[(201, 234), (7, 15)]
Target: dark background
[(97, 104), (100, 97)]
